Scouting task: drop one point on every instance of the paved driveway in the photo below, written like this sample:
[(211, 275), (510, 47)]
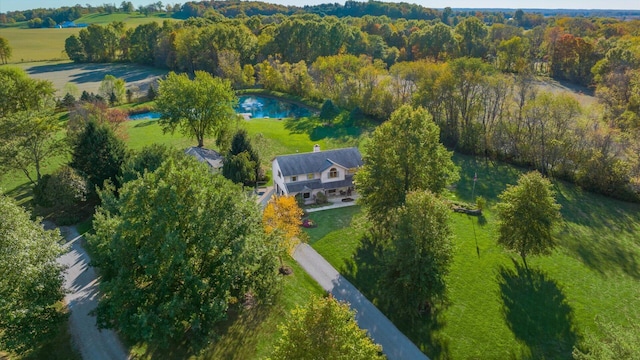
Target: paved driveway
[(81, 282), (394, 343)]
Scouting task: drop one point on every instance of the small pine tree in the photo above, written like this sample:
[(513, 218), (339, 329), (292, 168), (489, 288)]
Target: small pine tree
[(329, 110), (151, 93)]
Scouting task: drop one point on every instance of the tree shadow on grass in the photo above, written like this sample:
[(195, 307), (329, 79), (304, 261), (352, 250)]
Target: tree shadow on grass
[(537, 312), (318, 130), (491, 177), (364, 269), (238, 336), (21, 193), (145, 123), (596, 211), (605, 253)]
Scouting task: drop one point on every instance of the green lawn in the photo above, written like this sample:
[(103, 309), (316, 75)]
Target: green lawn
[(496, 308), (279, 140)]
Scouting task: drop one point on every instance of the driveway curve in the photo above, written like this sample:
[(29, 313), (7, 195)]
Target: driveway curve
[(394, 343), (81, 283)]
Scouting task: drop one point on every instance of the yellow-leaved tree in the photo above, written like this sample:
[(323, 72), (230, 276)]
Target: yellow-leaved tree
[(281, 218)]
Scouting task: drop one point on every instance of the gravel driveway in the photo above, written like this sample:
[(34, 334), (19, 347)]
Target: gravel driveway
[(394, 343), (81, 282)]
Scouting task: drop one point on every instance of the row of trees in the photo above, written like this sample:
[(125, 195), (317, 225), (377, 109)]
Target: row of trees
[(482, 111), (565, 48)]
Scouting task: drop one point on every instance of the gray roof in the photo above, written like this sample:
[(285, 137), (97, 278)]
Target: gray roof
[(208, 156), (315, 162), (308, 185)]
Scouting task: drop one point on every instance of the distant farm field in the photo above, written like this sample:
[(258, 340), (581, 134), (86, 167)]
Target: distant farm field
[(48, 44), (130, 19), (37, 44)]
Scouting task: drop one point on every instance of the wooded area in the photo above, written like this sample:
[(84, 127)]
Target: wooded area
[(476, 75)]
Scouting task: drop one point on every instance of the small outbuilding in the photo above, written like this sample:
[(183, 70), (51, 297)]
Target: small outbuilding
[(208, 156)]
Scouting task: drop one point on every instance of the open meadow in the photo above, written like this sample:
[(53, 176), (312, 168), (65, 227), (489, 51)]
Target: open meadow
[(496, 308), (46, 44), (37, 44)]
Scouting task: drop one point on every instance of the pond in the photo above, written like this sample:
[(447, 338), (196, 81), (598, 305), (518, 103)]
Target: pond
[(253, 106), (145, 116)]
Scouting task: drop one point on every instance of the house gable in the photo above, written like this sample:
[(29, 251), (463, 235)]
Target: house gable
[(318, 162), (316, 171)]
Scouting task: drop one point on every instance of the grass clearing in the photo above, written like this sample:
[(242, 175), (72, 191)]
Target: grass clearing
[(130, 19), (37, 44), (497, 309), (48, 44)]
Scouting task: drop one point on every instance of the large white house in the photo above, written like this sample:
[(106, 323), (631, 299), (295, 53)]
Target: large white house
[(330, 172)]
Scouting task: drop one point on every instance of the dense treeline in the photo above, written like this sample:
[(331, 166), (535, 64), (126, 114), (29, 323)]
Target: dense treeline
[(478, 81)]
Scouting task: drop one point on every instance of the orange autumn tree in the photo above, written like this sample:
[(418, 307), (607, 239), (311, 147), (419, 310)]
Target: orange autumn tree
[(282, 216)]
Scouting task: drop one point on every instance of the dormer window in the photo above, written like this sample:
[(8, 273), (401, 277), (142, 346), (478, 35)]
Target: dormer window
[(294, 178), (310, 176), (333, 173)]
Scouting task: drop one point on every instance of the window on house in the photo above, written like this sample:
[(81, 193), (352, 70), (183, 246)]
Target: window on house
[(332, 191), (333, 173), (310, 176), (279, 174), (306, 195), (294, 178)]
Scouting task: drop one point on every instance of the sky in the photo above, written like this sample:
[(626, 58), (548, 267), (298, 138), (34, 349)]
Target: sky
[(12, 5)]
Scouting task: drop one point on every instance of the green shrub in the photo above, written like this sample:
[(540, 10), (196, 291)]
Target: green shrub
[(321, 198), (64, 188), (481, 203), (39, 191)]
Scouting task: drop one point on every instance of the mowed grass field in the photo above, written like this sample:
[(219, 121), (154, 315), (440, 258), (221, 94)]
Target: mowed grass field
[(48, 44), (37, 44), (496, 308)]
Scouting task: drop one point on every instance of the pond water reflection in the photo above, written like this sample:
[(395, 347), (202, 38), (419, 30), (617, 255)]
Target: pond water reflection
[(254, 106)]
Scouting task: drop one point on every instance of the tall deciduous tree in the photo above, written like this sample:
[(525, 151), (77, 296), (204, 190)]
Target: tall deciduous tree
[(30, 280), (5, 50), (403, 155), (113, 89), (200, 107), (324, 329), (98, 153), (419, 255), (19, 92), (75, 49), (179, 248), (30, 140), (527, 214), (282, 217)]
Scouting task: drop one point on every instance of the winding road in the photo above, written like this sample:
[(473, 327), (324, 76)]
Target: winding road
[(81, 282)]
